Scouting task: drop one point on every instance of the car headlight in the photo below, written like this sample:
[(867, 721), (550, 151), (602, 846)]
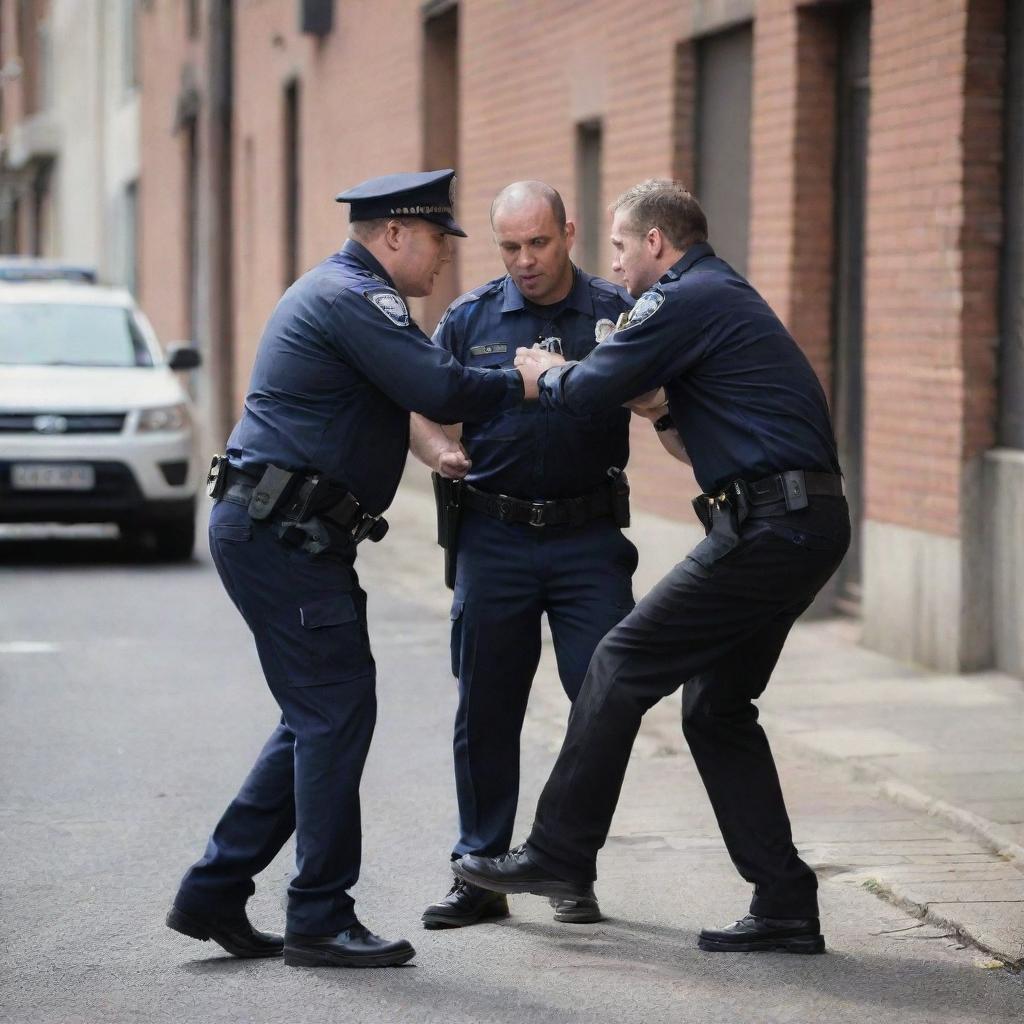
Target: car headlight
[(167, 417)]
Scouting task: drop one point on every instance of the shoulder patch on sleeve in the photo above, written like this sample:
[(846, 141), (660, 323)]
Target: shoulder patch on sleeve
[(646, 306), (391, 304)]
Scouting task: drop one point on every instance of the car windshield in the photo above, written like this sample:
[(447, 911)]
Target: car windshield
[(69, 334)]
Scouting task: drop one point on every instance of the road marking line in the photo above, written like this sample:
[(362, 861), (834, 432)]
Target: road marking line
[(28, 647)]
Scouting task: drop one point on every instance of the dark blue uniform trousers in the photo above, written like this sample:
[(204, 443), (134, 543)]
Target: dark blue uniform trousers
[(308, 617), (714, 625), (509, 575)]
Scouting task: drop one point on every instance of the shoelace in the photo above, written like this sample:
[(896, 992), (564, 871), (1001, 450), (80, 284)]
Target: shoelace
[(458, 885)]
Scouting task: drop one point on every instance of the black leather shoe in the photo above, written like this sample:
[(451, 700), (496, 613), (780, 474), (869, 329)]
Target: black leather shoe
[(516, 871), (234, 934), (755, 934), (465, 904), (354, 947), (581, 909)]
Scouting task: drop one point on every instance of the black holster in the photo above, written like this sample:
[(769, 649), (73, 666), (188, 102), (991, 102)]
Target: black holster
[(619, 484), (448, 500)]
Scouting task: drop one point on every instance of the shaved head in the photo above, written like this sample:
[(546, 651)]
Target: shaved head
[(519, 194)]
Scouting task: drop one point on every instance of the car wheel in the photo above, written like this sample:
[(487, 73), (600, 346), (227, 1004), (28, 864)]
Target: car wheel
[(175, 540)]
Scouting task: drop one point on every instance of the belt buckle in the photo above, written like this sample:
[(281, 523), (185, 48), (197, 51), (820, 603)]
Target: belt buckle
[(537, 513)]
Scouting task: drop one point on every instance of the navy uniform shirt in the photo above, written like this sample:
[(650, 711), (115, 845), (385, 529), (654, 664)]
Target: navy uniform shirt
[(339, 366), (529, 451), (742, 394)]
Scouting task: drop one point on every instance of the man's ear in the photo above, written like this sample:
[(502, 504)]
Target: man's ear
[(393, 234), (570, 234), (655, 242)]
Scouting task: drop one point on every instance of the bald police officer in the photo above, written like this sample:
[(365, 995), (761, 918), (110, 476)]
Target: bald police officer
[(750, 414), (311, 466), (541, 525)]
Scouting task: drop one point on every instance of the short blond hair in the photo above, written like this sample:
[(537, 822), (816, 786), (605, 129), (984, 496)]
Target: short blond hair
[(669, 207)]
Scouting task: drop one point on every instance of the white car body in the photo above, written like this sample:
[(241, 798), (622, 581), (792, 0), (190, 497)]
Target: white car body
[(62, 416)]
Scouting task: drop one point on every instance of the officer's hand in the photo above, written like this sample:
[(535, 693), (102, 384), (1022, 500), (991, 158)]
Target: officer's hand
[(539, 357), (454, 464), (651, 405)]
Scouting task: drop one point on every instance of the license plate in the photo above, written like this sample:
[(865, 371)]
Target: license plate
[(52, 477)]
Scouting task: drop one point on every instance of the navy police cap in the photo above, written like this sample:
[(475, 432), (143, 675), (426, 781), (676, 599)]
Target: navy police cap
[(429, 195)]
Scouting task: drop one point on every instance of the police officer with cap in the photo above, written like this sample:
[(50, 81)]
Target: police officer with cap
[(747, 409), (311, 466), (543, 503)]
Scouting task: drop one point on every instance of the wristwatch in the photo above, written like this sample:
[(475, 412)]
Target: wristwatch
[(663, 423)]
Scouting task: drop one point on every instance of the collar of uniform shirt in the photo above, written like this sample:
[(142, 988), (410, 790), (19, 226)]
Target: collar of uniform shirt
[(579, 297), (360, 253), (696, 253)]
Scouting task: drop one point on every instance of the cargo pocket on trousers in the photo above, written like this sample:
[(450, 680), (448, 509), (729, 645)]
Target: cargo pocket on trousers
[(335, 641), (456, 618)]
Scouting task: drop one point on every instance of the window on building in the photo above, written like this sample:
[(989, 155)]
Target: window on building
[(130, 237), (129, 30), (724, 63), (292, 179), (1011, 361), (192, 18), (590, 222)]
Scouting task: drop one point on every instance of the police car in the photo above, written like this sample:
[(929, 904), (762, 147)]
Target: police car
[(95, 426)]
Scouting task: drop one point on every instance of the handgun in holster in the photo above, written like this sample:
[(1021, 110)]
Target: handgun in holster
[(447, 498)]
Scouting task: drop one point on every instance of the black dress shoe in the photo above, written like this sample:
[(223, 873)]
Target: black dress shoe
[(464, 904), (234, 934), (517, 871), (756, 934), (582, 909), (354, 947)]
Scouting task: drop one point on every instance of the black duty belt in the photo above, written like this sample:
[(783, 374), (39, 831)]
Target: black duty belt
[(772, 495), (561, 512), (339, 508)]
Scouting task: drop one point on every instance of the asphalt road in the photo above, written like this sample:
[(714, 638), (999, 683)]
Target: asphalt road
[(132, 705)]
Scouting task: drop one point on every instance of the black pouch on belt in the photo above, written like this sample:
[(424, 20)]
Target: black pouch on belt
[(270, 492)]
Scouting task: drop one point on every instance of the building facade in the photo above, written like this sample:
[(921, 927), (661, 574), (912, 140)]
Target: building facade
[(69, 162), (861, 163)]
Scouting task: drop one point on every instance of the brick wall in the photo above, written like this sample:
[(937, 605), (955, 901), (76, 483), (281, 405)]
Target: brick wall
[(531, 71), (933, 223)]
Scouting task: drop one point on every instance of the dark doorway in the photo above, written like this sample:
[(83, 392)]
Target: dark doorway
[(220, 357), (589, 220), (848, 313), (724, 69), (292, 179), (1011, 356)]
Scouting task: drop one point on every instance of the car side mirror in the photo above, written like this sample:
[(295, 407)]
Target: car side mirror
[(183, 357)]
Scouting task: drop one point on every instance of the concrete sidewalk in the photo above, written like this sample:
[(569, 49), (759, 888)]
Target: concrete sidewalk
[(946, 751)]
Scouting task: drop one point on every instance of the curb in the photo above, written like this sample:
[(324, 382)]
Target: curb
[(987, 833), (895, 894), (903, 794)]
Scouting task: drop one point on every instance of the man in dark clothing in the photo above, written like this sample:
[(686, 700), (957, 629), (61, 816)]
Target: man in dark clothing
[(313, 462), (745, 407)]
